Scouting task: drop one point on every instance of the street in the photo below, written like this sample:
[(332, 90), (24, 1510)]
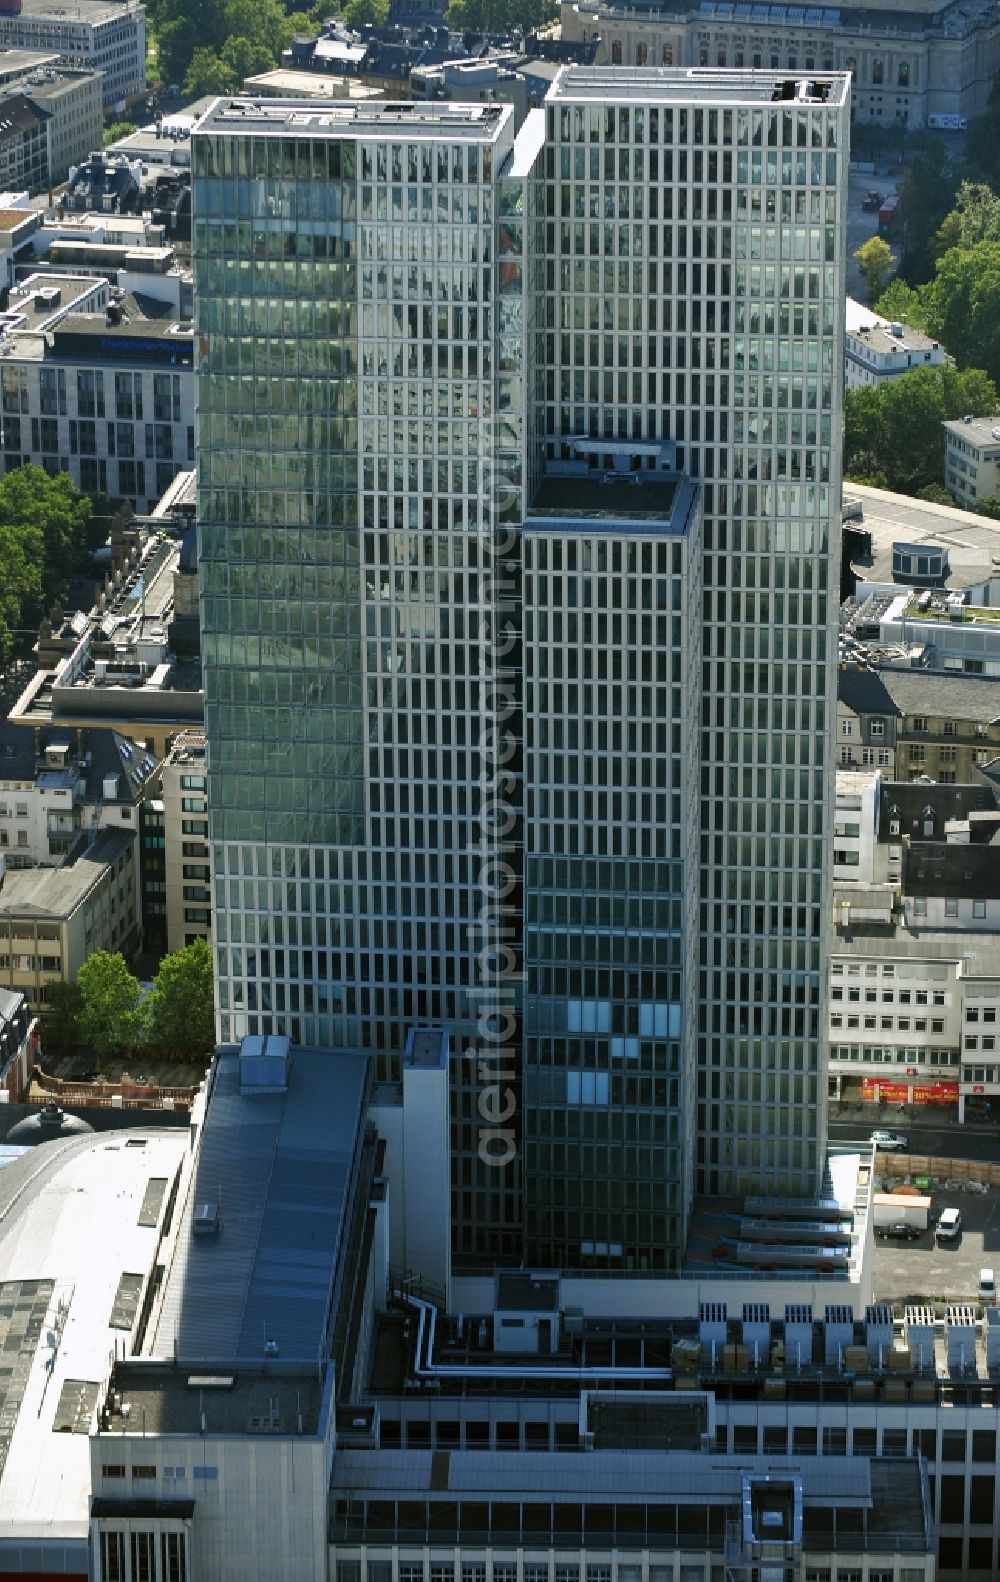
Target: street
[(937, 1136)]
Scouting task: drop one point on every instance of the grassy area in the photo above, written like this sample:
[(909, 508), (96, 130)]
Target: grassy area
[(966, 615)]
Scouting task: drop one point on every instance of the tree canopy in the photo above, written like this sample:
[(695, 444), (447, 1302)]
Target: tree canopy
[(876, 261), (963, 305), (500, 16), (105, 1009), (926, 194), (893, 436), (43, 537), (110, 1018), (181, 1008), (211, 45), (366, 13)]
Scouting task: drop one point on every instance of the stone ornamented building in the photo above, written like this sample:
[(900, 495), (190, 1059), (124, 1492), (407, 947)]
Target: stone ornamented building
[(908, 62)]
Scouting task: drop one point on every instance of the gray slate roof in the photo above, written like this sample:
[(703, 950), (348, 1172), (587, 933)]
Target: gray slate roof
[(865, 692), (928, 692)]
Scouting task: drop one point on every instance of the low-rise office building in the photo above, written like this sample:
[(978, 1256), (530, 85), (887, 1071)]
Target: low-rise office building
[(972, 460), (52, 919), (106, 395), (898, 1013), (917, 724), (877, 350), (916, 939), (58, 787), (133, 662), (51, 116), (24, 144), (930, 630), (867, 716), (895, 542), (99, 35), (73, 100)]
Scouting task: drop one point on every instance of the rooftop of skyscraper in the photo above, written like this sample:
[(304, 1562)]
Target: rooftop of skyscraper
[(697, 85), (431, 119)]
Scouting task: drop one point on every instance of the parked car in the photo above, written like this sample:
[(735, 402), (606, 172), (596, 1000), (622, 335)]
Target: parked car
[(987, 1285), (871, 202), (890, 1142), (900, 1231), (949, 1225)]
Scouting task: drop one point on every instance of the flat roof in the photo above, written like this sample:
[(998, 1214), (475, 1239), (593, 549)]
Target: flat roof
[(412, 118), (70, 1238), (89, 11), (34, 303), (694, 85), (278, 1165), (10, 219), (876, 333), (55, 893), (972, 541), (981, 431), (168, 1400), (310, 85), (983, 949), (598, 502), (640, 1475), (137, 327)]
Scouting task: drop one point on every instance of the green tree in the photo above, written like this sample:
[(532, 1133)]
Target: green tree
[(181, 1006), (982, 143), (111, 1017), (896, 432), (963, 305), (51, 515), (936, 493), (366, 13), (60, 1034), (263, 22), (209, 73), (876, 260), (500, 16), (901, 303), (864, 433), (21, 602), (967, 390), (926, 195), (300, 24), (245, 58), (975, 218), (183, 26), (116, 131)]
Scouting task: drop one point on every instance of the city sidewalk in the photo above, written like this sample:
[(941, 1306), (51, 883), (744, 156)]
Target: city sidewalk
[(887, 1115)]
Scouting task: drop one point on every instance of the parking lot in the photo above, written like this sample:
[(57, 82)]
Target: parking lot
[(923, 1271), (862, 225)]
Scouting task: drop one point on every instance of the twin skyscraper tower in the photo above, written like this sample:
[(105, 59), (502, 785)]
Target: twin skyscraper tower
[(519, 472)]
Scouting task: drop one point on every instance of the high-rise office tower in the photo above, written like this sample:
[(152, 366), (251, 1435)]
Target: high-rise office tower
[(519, 493)]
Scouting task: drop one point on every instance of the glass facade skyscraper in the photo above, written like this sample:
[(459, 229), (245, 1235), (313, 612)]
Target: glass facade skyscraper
[(519, 493)]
